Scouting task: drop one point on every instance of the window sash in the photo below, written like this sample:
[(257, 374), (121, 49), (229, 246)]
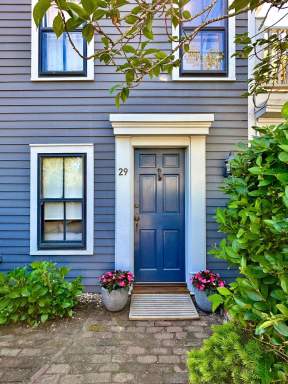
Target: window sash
[(60, 244), (206, 73), (44, 73)]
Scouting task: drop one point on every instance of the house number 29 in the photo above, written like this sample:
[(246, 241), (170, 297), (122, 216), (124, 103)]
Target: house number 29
[(123, 171)]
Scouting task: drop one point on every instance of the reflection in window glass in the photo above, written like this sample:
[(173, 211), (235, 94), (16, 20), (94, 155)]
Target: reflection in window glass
[(58, 54), (73, 177), (52, 179), (196, 7), (206, 52)]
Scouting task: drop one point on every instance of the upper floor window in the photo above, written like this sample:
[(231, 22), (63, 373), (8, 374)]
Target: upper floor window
[(55, 58), (210, 56), (57, 55), (208, 50)]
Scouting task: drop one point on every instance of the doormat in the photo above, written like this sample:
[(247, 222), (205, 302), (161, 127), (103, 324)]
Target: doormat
[(162, 307)]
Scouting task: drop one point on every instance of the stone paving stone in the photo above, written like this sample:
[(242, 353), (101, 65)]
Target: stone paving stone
[(123, 378), (101, 347), (59, 368)]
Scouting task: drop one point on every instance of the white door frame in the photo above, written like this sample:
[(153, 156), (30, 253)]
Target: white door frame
[(154, 130)]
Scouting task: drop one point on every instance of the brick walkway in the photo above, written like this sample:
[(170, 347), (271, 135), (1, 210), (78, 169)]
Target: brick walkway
[(99, 347)]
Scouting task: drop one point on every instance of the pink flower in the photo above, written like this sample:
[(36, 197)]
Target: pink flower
[(122, 284)]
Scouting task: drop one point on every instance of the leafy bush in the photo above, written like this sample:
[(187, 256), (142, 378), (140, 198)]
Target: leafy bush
[(231, 356), (256, 224), (37, 293)]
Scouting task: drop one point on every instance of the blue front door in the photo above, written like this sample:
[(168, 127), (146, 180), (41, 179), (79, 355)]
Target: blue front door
[(159, 215)]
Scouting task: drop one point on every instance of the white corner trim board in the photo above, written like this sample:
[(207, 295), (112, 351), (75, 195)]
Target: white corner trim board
[(35, 58), (36, 149), (194, 141)]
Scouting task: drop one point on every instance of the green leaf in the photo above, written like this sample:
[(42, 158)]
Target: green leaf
[(88, 32), (129, 49), (80, 11), (283, 309), (44, 317), (281, 328), (216, 301), (58, 25), (89, 5), (224, 291), (284, 283), (283, 156), (253, 295), (284, 111), (39, 10), (99, 14), (186, 14)]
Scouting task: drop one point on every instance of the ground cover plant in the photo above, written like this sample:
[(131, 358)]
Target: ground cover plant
[(37, 293)]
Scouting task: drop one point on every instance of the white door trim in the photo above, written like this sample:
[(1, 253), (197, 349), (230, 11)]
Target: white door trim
[(195, 185)]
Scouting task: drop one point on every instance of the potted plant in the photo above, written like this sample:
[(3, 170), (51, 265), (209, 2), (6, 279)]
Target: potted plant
[(115, 289), (206, 283)]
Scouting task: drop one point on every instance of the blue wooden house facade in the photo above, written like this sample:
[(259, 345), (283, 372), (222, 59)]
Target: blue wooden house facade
[(96, 188)]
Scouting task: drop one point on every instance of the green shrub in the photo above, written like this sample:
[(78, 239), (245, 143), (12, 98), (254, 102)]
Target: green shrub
[(232, 356), (37, 293), (256, 224)]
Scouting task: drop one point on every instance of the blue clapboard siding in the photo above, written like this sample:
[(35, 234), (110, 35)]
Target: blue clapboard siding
[(75, 112)]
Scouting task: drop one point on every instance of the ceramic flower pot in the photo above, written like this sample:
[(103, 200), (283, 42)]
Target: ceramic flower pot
[(115, 301), (202, 301)]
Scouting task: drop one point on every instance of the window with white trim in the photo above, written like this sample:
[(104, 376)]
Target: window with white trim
[(61, 199), (211, 50), (208, 50), (55, 58)]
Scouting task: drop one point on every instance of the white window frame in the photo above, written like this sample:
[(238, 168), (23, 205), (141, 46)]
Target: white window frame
[(36, 149), (35, 58), (231, 60)]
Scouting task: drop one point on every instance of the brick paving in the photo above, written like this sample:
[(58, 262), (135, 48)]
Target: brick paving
[(99, 347)]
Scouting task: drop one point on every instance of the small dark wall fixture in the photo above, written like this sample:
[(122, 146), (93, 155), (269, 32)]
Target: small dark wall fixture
[(227, 167)]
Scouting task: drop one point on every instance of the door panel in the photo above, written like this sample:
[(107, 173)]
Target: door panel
[(159, 215)]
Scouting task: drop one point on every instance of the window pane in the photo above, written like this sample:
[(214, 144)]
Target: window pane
[(207, 52), (52, 177), (72, 61), (74, 230), (53, 211), (213, 51), (73, 177), (58, 54), (54, 221), (196, 6), (73, 211), (192, 59), (52, 52)]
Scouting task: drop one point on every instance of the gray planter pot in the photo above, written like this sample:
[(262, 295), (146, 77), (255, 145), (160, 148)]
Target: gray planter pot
[(202, 300), (116, 300)]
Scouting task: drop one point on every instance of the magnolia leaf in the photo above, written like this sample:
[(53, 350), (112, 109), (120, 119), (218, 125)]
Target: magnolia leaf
[(253, 295), (88, 32), (39, 10), (58, 25)]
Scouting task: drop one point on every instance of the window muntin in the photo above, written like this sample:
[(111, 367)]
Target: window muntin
[(56, 55), (62, 201), (209, 49)]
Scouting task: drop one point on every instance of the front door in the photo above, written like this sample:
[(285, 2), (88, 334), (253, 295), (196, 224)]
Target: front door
[(159, 219)]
